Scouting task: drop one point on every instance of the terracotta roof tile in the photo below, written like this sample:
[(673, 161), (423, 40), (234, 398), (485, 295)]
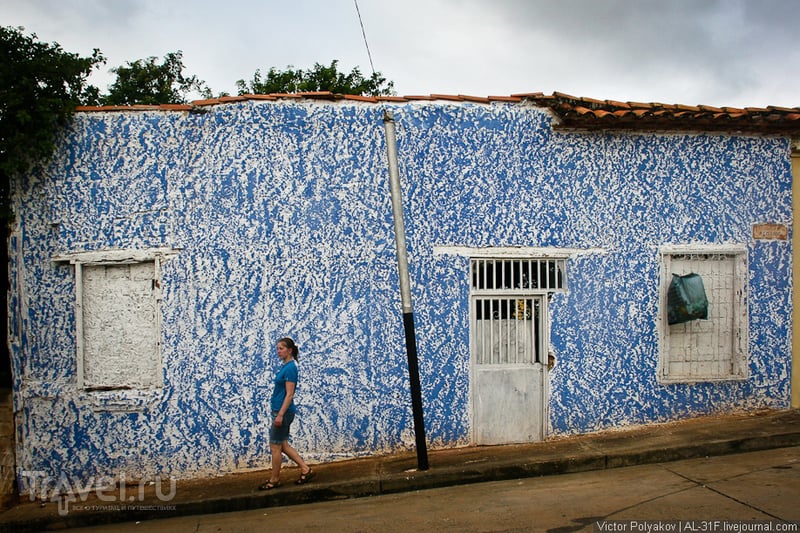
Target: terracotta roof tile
[(210, 101), (324, 95), (160, 107), (259, 97), (476, 99), (571, 112), (392, 99), (594, 102), (175, 107), (360, 98), (226, 99), (511, 99), (532, 95), (446, 97), (784, 109)]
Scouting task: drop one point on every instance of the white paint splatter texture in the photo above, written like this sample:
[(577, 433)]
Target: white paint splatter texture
[(282, 216)]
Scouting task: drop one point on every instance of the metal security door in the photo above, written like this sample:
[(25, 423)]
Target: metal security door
[(508, 335)]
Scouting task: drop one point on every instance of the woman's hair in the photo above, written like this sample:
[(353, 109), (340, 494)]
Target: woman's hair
[(289, 343)]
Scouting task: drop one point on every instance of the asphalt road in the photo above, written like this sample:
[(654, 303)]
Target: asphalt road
[(757, 491)]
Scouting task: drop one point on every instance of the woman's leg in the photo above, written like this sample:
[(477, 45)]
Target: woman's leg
[(292, 454), (277, 459)]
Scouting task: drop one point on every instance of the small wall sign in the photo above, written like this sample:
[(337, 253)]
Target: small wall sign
[(770, 232)]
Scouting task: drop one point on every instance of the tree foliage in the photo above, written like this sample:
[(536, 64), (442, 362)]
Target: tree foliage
[(40, 86), (320, 78), (145, 81)]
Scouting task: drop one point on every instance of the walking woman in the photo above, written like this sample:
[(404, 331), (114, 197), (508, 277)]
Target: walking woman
[(283, 410)]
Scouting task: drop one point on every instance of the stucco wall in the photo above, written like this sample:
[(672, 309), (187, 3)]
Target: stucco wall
[(281, 217)]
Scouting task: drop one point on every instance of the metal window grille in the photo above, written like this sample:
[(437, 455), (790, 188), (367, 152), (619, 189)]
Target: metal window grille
[(714, 348), (518, 274), (507, 330), (508, 308)]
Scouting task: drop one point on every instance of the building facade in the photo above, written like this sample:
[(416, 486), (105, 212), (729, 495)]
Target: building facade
[(161, 253)]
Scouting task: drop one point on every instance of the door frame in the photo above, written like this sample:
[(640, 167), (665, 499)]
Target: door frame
[(542, 292), (538, 367)]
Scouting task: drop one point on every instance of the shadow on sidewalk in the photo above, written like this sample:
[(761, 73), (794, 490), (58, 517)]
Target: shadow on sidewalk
[(700, 437)]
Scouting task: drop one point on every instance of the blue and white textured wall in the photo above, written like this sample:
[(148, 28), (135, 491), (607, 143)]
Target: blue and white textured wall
[(281, 215)]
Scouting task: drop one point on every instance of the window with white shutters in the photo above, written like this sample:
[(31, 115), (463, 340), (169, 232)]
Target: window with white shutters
[(118, 317), (119, 326)]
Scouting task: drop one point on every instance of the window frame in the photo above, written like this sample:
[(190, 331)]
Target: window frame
[(740, 329), (80, 260), (499, 280)]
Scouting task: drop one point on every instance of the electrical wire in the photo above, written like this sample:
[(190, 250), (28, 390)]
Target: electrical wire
[(364, 33)]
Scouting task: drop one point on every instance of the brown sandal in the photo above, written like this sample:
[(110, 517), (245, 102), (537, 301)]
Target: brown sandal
[(305, 478), (269, 485)]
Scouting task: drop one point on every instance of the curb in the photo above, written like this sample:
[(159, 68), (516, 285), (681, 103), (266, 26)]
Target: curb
[(533, 462)]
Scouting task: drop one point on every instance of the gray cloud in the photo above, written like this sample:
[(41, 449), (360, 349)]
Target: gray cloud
[(716, 52), (683, 48)]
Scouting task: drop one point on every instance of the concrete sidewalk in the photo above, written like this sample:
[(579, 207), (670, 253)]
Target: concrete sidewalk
[(397, 473)]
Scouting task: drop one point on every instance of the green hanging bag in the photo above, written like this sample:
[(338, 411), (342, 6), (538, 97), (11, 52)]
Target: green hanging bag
[(686, 299)]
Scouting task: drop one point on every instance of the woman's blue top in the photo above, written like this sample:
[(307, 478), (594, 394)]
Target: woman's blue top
[(288, 372)]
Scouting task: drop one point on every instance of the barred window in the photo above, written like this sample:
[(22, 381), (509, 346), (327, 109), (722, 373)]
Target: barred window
[(715, 348), (507, 308), (518, 274)]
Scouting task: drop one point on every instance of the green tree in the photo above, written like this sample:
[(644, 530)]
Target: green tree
[(146, 82), (40, 85), (320, 78)]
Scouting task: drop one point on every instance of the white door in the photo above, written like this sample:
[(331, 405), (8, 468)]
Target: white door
[(508, 374), (509, 340)]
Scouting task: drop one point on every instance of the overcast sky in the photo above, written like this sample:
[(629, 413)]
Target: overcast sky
[(714, 52)]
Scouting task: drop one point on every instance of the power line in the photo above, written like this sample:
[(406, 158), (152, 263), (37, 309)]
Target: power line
[(364, 33)]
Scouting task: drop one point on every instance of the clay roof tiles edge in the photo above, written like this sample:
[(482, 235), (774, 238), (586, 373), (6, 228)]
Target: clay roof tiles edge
[(573, 112)]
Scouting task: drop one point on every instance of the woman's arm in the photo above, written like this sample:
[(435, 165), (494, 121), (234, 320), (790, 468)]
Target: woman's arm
[(287, 401)]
